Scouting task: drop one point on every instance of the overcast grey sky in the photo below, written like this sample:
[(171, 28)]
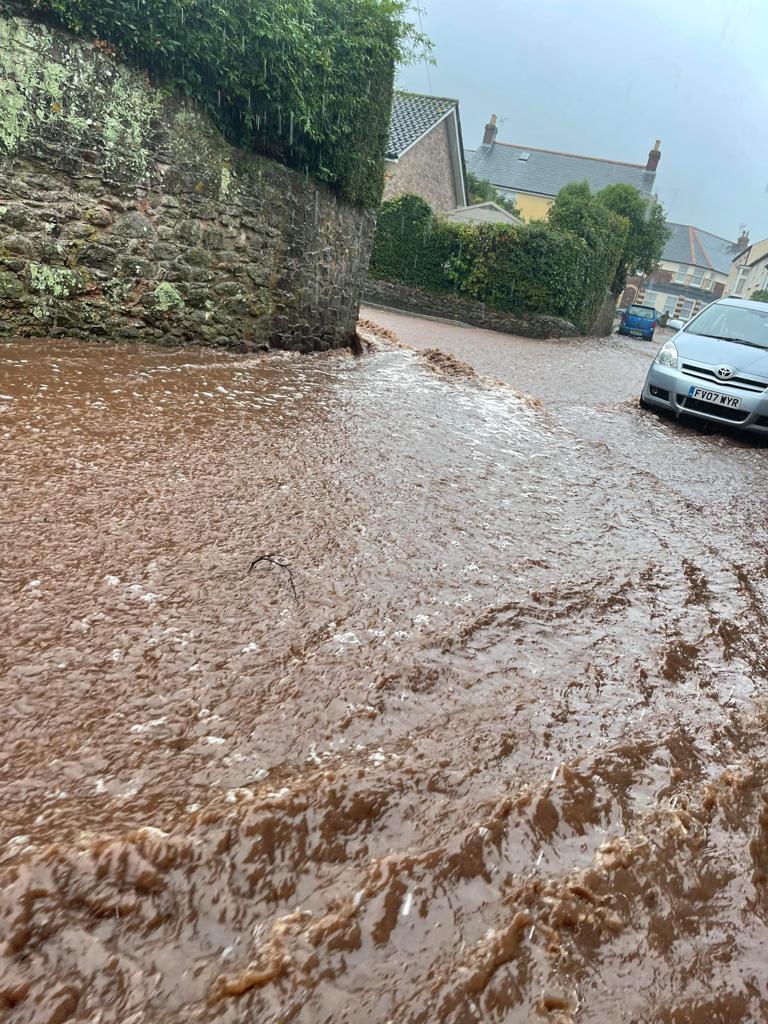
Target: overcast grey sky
[(608, 77)]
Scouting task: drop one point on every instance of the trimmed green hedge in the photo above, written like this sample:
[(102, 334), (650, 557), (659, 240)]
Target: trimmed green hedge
[(307, 82), (528, 269), (413, 246)]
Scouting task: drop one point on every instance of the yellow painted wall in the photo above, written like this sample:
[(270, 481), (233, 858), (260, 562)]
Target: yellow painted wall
[(758, 250), (533, 207)]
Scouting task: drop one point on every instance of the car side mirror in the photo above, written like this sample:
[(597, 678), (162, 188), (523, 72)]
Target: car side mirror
[(676, 325)]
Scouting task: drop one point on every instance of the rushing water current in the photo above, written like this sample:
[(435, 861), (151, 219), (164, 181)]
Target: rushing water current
[(485, 740)]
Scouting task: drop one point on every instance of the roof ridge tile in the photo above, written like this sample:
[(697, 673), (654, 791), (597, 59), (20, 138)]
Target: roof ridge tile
[(425, 96)]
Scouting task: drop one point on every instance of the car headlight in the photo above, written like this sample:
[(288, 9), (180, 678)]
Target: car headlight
[(668, 355)]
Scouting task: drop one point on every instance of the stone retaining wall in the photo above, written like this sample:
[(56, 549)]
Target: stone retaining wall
[(125, 215), (476, 314)]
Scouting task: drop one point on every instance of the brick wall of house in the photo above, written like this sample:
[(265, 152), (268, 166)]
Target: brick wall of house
[(425, 170)]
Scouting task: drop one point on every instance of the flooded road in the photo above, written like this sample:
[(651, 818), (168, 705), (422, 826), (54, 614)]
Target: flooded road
[(502, 756)]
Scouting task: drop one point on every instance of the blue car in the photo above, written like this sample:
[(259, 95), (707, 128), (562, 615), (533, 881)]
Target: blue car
[(639, 321)]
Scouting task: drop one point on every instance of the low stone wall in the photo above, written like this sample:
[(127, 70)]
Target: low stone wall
[(476, 314), (125, 215)]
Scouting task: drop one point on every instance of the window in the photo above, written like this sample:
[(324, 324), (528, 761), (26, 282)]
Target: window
[(741, 281), (507, 194), (706, 284), (670, 304), (643, 312), (686, 309), (697, 277), (725, 322), (651, 299), (680, 276)]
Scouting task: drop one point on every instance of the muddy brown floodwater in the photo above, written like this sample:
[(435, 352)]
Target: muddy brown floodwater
[(503, 757)]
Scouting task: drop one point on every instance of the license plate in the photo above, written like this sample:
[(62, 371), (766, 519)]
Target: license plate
[(702, 395), (638, 333)]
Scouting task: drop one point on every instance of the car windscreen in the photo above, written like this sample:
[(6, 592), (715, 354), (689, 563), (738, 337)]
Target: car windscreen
[(735, 323), (645, 312)]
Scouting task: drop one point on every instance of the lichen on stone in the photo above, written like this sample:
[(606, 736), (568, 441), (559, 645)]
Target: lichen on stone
[(108, 106), (226, 181), (56, 281), (167, 298)]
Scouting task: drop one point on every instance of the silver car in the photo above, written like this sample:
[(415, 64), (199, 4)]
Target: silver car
[(715, 367)]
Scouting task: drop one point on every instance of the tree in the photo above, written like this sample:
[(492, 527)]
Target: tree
[(484, 192), (577, 212), (647, 233), (761, 295), (575, 209)]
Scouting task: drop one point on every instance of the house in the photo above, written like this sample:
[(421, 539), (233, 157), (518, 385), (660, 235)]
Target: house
[(533, 177), (425, 152), (749, 271), (692, 272), (483, 213)]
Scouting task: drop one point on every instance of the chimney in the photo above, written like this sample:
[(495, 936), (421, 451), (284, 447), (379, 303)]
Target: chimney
[(491, 131), (654, 156), (742, 242)]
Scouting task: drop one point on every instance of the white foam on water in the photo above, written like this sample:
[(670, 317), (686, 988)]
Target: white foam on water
[(144, 726)]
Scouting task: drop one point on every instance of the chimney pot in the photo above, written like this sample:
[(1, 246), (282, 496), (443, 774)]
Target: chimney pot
[(654, 156), (743, 240), (491, 131)]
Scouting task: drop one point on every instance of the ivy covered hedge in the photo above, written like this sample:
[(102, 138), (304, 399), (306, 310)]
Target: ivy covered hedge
[(307, 82), (533, 268)]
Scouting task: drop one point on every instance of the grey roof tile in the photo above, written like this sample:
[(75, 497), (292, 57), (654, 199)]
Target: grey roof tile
[(698, 248), (545, 172), (412, 116)]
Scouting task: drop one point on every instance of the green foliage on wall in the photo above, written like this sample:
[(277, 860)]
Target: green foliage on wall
[(761, 295), (413, 246), (534, 268), (307, 82)]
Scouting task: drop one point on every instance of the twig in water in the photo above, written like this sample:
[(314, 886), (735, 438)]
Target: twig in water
[(272, 559)]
